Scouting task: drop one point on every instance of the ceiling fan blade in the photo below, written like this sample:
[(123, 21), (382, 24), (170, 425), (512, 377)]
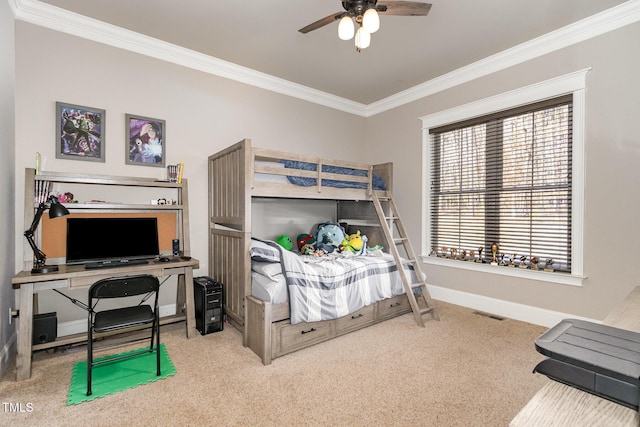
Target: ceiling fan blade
[(406, 8), (322, 22)]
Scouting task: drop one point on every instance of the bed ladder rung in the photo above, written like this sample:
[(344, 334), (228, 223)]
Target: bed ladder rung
[(426, 310), (421, 303)]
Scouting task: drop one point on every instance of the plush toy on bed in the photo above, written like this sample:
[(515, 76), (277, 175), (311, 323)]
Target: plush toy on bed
[(284, 241), (306, 244), (355, 243), (329, 237)]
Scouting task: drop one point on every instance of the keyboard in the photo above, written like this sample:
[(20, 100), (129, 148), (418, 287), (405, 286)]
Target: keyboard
[(118, 263)]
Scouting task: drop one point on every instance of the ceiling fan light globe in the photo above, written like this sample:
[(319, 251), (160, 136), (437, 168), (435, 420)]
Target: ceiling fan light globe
[(371, 20), (345, 28), (363, 38)]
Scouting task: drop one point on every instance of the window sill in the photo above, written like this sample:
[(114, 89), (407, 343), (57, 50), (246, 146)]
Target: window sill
[(545, 276)]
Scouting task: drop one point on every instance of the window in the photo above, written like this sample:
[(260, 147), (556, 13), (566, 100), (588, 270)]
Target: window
[(505, 178), (509, 169)]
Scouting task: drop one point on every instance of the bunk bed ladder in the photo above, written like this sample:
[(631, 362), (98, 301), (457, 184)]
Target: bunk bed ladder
[(418, 294)]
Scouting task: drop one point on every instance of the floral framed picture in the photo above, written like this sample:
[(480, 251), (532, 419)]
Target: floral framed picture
[(80, 132), (145, 141)]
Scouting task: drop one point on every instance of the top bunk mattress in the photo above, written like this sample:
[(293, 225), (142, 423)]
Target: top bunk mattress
[(281, 176)]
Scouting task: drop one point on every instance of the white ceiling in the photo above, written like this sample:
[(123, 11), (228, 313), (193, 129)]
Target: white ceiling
[(263, 35)]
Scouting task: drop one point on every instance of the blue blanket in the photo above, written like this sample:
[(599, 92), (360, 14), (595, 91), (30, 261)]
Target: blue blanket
[(377, 181)]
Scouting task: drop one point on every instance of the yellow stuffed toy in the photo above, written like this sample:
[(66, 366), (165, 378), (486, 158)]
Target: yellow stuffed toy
[(354, 243)]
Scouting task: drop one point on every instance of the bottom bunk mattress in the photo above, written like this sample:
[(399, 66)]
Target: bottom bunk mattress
[(322, 288)]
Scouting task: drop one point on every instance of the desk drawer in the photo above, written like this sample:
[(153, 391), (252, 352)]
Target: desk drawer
[(86, 281)]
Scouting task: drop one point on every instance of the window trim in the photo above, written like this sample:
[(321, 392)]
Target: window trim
[(572, 83)]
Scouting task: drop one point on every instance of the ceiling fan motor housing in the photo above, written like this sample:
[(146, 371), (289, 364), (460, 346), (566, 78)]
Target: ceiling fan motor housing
[(357, 8)]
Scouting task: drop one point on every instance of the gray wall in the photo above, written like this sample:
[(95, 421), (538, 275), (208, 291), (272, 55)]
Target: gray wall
[(612, 166), (7, 172)]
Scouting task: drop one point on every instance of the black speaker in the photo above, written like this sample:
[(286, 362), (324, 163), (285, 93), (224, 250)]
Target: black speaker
[(175, 244), (45, 328), (208, 297)]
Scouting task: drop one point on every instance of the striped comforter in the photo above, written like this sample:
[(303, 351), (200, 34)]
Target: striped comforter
[(323, 288)]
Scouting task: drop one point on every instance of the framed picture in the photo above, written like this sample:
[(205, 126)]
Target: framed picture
[(80, 132), (145, 141)]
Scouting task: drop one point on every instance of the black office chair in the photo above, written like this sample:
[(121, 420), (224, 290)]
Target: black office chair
[(120, 320)]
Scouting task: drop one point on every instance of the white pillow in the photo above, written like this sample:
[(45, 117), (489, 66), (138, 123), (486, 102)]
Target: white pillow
[(270, 270), (264, 250)]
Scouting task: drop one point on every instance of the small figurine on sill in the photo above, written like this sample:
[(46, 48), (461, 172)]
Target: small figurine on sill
[(504, 259), (534, 263), (523, 261), (494, 253)]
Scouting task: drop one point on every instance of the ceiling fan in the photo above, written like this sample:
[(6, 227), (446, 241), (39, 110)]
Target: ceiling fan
[(366, 15)]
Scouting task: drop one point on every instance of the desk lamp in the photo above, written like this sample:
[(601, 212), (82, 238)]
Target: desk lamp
[(56, 210)]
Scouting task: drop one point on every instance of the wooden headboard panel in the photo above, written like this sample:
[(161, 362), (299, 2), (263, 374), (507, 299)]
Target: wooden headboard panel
[(54, 232)]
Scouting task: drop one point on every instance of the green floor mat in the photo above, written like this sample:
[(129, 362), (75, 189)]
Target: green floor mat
[(119, 375)]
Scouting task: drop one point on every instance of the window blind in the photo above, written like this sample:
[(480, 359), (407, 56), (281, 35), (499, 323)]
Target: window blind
[(505, 178)]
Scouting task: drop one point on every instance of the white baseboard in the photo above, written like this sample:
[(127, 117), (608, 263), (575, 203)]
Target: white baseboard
[(512, 310), (80, 326)]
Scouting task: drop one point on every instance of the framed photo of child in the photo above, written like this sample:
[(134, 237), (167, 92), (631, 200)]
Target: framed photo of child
[(80, 132), (145, 141)]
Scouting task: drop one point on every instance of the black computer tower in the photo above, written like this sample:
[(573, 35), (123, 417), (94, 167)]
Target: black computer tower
[(208, 296)]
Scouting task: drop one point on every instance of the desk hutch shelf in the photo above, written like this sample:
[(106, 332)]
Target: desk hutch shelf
[(136, 199)]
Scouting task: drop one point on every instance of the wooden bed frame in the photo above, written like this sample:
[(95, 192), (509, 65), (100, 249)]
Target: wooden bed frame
[(265, 326)]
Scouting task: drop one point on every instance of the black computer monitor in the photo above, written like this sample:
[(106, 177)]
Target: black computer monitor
[(95, 239)]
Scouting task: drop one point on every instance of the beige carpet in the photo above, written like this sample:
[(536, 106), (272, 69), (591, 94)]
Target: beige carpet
[(464, 370)]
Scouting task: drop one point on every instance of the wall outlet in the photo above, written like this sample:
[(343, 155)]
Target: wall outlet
[(13, 314)]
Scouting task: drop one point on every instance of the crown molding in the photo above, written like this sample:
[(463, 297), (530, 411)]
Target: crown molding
[(54, 18), (601, 23), (45, 15)]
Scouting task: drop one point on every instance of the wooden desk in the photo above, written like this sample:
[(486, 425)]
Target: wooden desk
[(77, 277), (561, 405)]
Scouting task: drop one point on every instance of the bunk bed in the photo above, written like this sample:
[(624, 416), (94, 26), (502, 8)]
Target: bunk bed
[(241, 173)]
